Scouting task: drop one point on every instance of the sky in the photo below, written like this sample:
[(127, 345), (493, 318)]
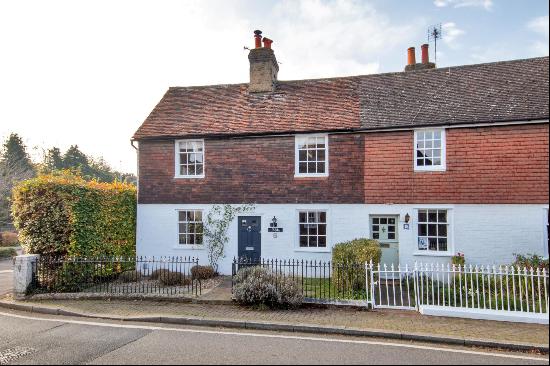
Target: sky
[(89, 72)]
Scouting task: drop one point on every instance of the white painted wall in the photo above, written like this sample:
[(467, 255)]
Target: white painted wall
[(487, 234)]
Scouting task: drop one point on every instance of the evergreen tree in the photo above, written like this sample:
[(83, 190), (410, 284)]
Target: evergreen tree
[(15, 166), (53, 160)]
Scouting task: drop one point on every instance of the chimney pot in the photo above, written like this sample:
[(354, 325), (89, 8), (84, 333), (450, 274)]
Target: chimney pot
[(425, 54), (411, 59), (258, 38), (267, 42)]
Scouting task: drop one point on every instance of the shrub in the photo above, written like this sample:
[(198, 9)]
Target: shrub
[(357, 251), (531, 261), (64, 215), (158, 273), (349, 260), (170, 278), (7, 252), (130, 276), (258, 286), (8, 239), (458, 259), (202, 272)]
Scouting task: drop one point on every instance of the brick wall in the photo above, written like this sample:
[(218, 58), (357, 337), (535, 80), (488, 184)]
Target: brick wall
[(484, 165), (258, 170)]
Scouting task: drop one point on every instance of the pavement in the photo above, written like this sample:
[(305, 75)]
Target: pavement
[(389, 323), (6, 276), (42, 339)]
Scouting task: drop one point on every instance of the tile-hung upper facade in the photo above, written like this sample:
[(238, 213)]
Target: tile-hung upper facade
[(429, 162)]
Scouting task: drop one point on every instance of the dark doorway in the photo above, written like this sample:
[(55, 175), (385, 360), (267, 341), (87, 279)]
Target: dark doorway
[(250, 237)]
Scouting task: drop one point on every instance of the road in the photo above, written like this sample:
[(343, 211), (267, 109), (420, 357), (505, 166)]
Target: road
[(38, 339)]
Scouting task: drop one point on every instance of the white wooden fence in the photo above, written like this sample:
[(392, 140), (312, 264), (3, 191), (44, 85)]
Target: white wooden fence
[(481, 292)]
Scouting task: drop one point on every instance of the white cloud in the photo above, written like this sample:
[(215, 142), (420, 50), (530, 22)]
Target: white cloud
[(486, 4), (539, 25), (451, 33), (317, 38)]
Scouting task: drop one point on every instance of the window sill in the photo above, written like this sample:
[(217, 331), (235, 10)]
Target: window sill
[(427, 170), (189, 176), (300, 176), (432, 254), (312, 250), (189, 247)]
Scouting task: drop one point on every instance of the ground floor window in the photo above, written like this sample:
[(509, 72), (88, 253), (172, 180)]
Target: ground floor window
[(313, 229), (433, 228), (190, 227)]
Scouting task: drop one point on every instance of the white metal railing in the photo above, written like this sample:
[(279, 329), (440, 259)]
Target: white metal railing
[(497, 288)]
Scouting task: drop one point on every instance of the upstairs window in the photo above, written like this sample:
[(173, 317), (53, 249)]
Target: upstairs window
[(190, 159), (311, 156), (429, 150)]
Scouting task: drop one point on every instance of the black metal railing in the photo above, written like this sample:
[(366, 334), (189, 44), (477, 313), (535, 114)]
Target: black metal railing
[(163, 276), (319, 281)]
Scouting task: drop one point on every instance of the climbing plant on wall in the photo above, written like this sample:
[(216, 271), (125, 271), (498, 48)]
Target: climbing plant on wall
[(217, 223)]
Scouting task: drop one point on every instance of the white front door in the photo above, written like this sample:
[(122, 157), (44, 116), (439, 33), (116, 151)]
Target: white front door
[(385, 230)]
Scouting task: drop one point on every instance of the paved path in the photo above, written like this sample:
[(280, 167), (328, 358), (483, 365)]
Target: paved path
[(28, 339), (6, 276)]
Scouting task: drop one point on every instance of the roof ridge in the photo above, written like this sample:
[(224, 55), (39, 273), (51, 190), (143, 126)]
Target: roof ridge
[(390, 73)]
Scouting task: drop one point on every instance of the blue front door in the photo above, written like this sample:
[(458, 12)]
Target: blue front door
[(250, 237)]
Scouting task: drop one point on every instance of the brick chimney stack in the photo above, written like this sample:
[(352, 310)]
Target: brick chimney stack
[(263, 66)]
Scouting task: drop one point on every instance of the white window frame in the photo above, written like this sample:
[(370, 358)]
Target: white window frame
[(297, 247), (297, 173), (433, 168), (545, 232), (188, 246), (177, 160), (450, 233)]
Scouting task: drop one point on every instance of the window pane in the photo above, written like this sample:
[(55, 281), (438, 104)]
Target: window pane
[(183, 228), (323, 217), (322, 241), (442, 230), (422, 230), (422, 216), (432, 230), (191, 170), (321, 167), (313, 241), (303, 230), (322, 229), (198, 239), (302, 168), (391, 221), (375, 220), (383, 221), (321, 155), (198, 215), (442, 244), (391, 236), (375, 235), (303, 217), (442, 216), (420, 162), (302, 155), (375, 228), (432, 243), (303, 241), (432, 216), (183, 169), (391, 229), (182, 240), (311, 168), (199, 169)]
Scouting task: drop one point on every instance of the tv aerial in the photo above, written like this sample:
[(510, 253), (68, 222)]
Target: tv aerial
[(435, 34)]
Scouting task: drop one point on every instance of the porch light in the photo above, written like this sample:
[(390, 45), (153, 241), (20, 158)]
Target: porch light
[(407, 218)]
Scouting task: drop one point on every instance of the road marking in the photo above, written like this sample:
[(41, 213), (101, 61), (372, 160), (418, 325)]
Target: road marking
[(259, 335)]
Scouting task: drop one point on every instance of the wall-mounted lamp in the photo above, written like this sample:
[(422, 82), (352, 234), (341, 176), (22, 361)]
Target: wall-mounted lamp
[(407, 218), (274, 222)]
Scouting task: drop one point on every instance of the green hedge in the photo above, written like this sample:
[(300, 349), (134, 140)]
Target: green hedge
[(349, 260), (67, 216)]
